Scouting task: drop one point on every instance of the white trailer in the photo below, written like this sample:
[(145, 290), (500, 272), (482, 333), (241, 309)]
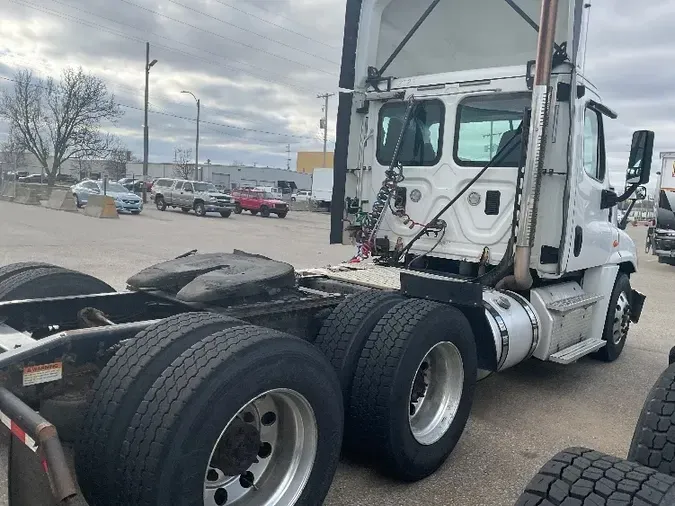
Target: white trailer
[(322, 186)]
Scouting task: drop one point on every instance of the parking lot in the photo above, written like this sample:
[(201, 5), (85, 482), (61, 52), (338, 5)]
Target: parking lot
[(520, 418)]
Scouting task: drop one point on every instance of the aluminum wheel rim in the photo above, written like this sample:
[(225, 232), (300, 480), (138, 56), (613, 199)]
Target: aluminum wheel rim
[(621, 319), (436, 393), (288, 434)]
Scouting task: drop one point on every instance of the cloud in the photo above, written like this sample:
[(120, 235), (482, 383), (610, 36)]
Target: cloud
[(258, 65)]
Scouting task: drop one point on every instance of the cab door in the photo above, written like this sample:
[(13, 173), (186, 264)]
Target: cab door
[(592, 236)]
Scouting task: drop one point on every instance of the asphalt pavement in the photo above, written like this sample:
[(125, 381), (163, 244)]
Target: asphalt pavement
[(520, 417)]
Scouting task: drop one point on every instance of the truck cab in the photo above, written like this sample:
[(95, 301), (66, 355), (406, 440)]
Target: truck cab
[(473, 146)]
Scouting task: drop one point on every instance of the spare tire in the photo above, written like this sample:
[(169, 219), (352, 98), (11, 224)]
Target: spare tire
[(50, 282), (250, 403), (580, 477), (120, 388), (653, 441)]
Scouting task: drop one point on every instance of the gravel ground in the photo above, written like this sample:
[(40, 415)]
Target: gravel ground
[(520, 418)]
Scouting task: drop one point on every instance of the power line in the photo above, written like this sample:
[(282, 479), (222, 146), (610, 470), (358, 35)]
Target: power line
[(252, 32), (281, 16), (212, 123), (98, 26), (227, 38), (275, 24)]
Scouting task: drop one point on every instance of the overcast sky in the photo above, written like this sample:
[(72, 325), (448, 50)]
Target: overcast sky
[(258, 65)]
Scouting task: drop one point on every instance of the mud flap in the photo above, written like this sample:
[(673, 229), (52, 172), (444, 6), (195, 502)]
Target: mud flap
[(637, 302)]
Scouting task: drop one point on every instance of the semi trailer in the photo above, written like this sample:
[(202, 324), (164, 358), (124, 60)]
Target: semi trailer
[(470, 174)]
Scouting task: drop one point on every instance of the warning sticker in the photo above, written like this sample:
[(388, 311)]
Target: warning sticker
[(43, 373)]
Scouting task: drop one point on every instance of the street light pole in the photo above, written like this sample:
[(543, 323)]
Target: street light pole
[(148, 66), (197, 175)]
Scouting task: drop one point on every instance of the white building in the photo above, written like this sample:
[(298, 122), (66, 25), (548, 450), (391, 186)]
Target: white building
[(232, 176)]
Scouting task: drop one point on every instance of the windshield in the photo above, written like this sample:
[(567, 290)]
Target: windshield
[(205, 187), (114, 188)]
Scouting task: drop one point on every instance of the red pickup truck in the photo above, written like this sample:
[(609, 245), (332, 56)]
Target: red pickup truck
[(257, 201)]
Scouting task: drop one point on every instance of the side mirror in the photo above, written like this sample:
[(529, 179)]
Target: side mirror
[(640, 193), (640, 160)]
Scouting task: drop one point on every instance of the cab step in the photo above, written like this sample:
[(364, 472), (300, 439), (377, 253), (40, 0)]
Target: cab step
[(577, 351), (572, 303)]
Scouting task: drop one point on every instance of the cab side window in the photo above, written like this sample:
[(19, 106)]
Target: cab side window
[(594, 145), (187, 187)]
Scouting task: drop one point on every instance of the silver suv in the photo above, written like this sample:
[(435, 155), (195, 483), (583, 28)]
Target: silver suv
[(199, 196)]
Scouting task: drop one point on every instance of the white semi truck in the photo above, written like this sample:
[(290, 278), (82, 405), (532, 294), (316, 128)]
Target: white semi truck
[(470, 171), (661, 235)]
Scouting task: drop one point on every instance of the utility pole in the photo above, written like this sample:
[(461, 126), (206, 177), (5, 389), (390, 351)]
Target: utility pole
[(324, 123), (148, 66), (197, 175), (288, 157)]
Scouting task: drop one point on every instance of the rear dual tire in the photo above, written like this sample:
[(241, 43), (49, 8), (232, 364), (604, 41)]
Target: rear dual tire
[(408, 373), (203, 371)]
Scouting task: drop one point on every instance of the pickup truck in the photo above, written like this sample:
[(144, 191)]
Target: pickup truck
[(257, 201), (194, 195)]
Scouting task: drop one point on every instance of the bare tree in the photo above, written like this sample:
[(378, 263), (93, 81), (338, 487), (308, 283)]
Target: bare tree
[(57, 121), (12, 155), (182, 165), (116, 161)]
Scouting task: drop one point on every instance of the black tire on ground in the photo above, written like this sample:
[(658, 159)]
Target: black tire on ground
[(225, 214), (7, 271), (120, 388), (283, 214), (653, 444), (265, 212), (195, 397), (345, 332), (390, 378), (160, 203), (185, 209), (237, 208), (581, 477), (77, 201), (50, 282), (254, 212), (618, 312), (200, 210)]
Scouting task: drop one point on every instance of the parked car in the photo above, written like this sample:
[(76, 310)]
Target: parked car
[(125, 201), (160, 185), (199, 196), (261, 202), (302, 196), (33, 178), (66, 178)]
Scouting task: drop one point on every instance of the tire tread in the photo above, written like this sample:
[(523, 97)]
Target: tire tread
[(584, 477)]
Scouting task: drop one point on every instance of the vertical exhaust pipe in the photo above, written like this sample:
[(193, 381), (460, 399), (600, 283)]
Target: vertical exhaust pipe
[(527, 222)]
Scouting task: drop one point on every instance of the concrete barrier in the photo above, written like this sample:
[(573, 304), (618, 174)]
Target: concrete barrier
[(8, 191), (306, 205), (101, 206), (27, 196), (61, 200)]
